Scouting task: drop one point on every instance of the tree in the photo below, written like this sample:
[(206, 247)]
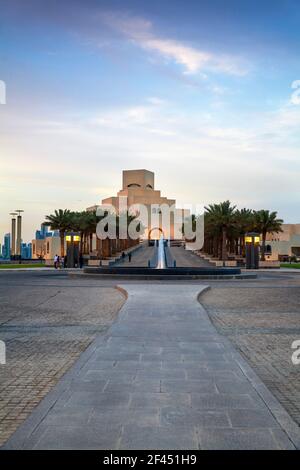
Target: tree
[(61, 221), (244, 221), (79, 222), (266, 222), (221, 220)]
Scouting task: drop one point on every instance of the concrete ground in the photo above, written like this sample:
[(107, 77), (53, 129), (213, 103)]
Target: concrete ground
[(262, 322), (139, 258), (161, 378), (259, 316), (186, 258), (45, 329)]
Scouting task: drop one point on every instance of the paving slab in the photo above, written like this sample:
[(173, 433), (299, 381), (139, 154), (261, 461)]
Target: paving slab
[(160, 378)]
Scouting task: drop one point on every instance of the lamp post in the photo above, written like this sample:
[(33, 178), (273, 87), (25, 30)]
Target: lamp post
[(19, 233), (252, 241), (13, 234), (73, 243)]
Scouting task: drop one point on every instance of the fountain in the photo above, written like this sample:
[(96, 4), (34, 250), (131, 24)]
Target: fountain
[(161, 256), (163, 266)]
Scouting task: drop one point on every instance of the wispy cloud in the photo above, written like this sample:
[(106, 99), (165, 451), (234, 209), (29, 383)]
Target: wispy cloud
[(192, 59)]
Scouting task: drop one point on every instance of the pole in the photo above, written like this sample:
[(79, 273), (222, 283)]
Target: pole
[(13, 234), (19, 232)]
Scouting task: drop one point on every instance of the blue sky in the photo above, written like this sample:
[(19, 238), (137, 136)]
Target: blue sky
[(198, 91)]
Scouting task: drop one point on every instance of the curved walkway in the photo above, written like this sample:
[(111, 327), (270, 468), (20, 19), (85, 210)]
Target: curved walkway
[(161, 378)]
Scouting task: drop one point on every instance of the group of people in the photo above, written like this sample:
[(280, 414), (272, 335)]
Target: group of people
[(124, 256), (60, 262)]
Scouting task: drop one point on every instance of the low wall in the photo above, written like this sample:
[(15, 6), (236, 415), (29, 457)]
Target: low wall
[(269, 264), (23, 261)]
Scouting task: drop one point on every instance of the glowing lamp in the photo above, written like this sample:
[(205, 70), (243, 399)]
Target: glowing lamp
[(252, 238), (252, 241)]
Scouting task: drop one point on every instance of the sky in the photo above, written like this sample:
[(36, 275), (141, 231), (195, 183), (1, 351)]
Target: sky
[(204, 93)]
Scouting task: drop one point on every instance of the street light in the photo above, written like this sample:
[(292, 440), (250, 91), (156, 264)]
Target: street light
[(19, 232), (252, 241), (13, 234), (73, 242)]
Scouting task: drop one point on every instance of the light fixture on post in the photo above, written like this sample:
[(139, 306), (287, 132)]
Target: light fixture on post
[(252, 241), (19, 233), (73, 244), (13, 235)]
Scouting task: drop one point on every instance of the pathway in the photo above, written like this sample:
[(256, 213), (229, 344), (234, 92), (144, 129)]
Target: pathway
[(161, 378), (139, 258), (183, 257), (187, 258)]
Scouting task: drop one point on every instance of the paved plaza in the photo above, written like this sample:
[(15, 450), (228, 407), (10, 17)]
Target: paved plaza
[(262, 323), (45, 326), (162, 372), (160, 377)]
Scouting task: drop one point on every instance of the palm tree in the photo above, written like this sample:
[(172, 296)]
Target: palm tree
[(61, 221), (221, 217), (80, 223), (266, 222), (244, 221), (212, 233), (92, 222)]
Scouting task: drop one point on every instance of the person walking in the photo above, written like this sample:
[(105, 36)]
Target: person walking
[(62, 262), (80, 261), (123, 256), (55, 261), (65, 261), (129, 257)]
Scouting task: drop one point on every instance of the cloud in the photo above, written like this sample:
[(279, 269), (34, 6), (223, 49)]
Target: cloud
[(192, 59), (295, 98)]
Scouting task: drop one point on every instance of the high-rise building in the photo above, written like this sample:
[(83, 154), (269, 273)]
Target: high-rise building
[(26, 250), (6, 246), (43, 233)]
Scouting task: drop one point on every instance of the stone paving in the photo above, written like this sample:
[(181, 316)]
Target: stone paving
[(187, 259), (139, 258), (183, 257), (45, 329), (162, 377), (262, 322)]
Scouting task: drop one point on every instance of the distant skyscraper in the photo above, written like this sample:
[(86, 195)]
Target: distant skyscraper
[(26, 250), (6, 246), (42, 233)]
